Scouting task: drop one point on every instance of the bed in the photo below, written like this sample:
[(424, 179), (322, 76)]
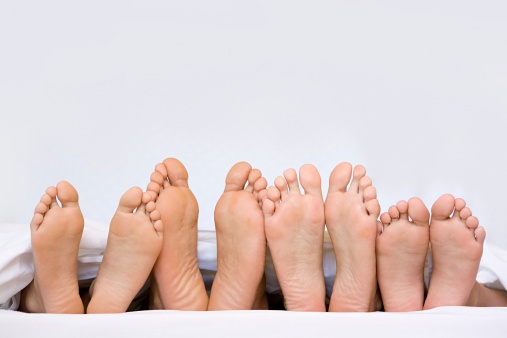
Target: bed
[(16, 270)]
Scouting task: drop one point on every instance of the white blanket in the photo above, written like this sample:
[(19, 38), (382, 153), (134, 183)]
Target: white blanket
[(16, 265)]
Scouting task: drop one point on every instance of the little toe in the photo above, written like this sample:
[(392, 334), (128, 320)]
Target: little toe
[(310, 180), (36, 221), (130, 200), (237, 176), (442, 208), (176, 172), (292, 180), (340, 177), (480, 235), (418, 212)]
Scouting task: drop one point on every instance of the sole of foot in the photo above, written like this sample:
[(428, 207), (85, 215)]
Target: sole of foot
[(133, 245), (176, 283), (351, 212), (56, 233), (456, 243), (295, 232), (241, 243), (401, 253)]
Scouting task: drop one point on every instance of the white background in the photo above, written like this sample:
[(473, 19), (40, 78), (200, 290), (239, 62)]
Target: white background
[(98, 92)]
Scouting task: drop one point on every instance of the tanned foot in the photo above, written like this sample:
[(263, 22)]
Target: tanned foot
[(456, 244), (351, 219), (56, 232), (401, 252), (295, 234), (177, 282), (241, 242), (133, 245)]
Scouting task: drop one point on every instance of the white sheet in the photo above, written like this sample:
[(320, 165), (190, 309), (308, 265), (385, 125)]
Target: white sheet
[(440, 322), (16, 265)]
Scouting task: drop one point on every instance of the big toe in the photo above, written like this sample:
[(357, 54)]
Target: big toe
[(443, 207), (418, 212), (237, 176), (67, 194), (340, 177), (130, 200), (176, 172), (310, 180)]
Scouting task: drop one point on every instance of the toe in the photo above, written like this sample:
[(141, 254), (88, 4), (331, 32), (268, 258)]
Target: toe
[(281, 185), (369, 193), (254, 176), (310, 180), (358, 173), (472, 222), (364, 182), (394, 213), (41, 208), (465, 213), (459, 204), (67, 194), (269, 200), (340, 177), (51, 192), (480, 235), (161, 169), (385, 218), (443, 207), (130, 200), (36, 221), (176, 172), (237, 176), (373, 208), (418, 212), (402, 207), (292, 180)]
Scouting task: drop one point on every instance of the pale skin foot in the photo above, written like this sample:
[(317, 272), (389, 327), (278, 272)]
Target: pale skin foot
[(133, 245), (176, 283), (239, 283), (401, 252), (56, 232), (456, 243), (351, 219), (295, 232)]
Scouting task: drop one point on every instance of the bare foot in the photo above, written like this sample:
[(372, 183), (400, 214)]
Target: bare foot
[(456, 243), (351, 219), (56, 233), (241, 242), (177, 282), (401, 252), (133, 245), (295, 234)]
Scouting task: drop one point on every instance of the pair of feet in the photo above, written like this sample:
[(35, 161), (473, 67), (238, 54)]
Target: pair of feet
[(153, 232), (456, 243), (248, 219)]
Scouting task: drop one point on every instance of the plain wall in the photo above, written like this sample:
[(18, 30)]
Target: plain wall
[(97, 93)]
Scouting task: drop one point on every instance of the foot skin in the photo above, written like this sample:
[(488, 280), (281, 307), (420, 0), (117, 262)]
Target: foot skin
[(56, 232), (295, 234), (177, 282), (241, 242), (401, 252), (456, 243), (351, 219), (133, 245)]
